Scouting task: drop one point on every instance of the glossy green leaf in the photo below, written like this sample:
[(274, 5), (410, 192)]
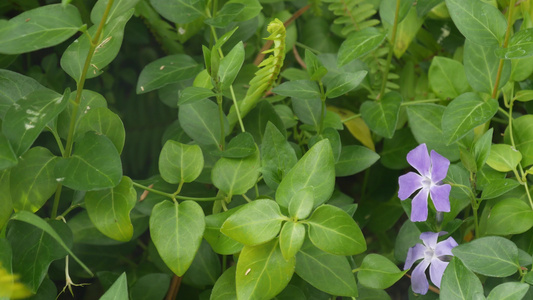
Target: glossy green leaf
[(179, 11), (251, 9), (315, 68), (224, 288), (236, 176), (231, 64), (523, 138), (459, 283), (387, 10), (39, 28), (262, 272), (201, 121), (510, 216), (89, 100), (359, 44), (302, 203), (378, 272), (277, 156), (26, 118), (342, 83), (256, 121), (408, 235), (498, 187), (308, 111), (110, 209), (205, 268), (478, 21), (326, 272), (255, 223), (465, 113), (424, 7), (15, 86), (7, 155), (481, 67), (332, 135), (509, 291), (226, 15), (118, 8), (166, 70), (74, 57), (382, 116), (180, 162), (32, 180), (240, 146), (192, 94), (291, 239), (302, 89), (447, 77), (177, 231), (482, 148), (118, 291), (6, 209), (34, 250), (103, 121), (491, 256), (520, 45), (354, 159), (316, 169), (150, 286), (220, 242), (503, 158), (524, 95), (334, 231)]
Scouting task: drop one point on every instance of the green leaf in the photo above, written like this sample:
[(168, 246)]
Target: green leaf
[(316, 169), (241, 146), (387, 10), (302, 89), (180, 162), (7, 156), (192, 94), (359, 44), (503, 158), (74, 57), (334, 231), (302, 203), (177, 231), (15, 86), (524, 95), (94, 164), (255, 223), (491, 256), (332, 135), (424, 7), (26, 118), (315, 68), (36, 221), (523, 138), (447, 78), (342, 83), (482, 148), (520, 45), (378, 272), (118, 291), (118, 8), (408, 235), (150, 286), (226, 15), (277, 156), (291, 239), (33, 180), (465, 113), (326, 272), (256, 121), (231, 64), (201, 121), (478, 21), (382, 116), (509, 291), (205, 268), (510, 216), (251, 9), (110, 209), (6, 209), (262, 272), (354, 159), (458, 282), (166, 70), (498, 187), (224, 288), (308, 111), (481, 67), (236, 176), (89, 100), (103, 121), (394, 152), (179, 11), (220, 243), (39, 28)]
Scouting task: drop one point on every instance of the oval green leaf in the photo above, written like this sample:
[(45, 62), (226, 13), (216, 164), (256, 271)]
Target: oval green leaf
[(236, 176), (103, 121), (503, 158), (481, 67), (459, 283), (118, 291), (382, 116), (166, 70), (447, 78), (180, 162), (510, 216), (201, 121), (378, 272), (303, 89), (359, 44), (354, 159), (291, 239)]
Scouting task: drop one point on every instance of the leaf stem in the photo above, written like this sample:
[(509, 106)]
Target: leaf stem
[(414, 102), (172, 196), (391, 50), (505, 43), (58, 140), (322, 108), (174, 288)]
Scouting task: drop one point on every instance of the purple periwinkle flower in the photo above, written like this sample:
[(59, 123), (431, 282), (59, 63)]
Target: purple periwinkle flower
[(432, 170), (433, 254)]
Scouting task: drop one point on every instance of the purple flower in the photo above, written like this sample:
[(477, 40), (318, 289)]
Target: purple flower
[(432, 171), (433, 254)]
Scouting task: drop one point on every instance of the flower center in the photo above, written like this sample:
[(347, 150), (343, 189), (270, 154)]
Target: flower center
[(429, 253), (427, 183)]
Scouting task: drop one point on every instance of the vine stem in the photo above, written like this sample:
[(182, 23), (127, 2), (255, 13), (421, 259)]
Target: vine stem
[(175, 196), (391, 50), (174, 287), (505, 43), (79, 89)]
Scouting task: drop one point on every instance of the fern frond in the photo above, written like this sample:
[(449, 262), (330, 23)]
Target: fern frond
[(354, 15), (266, 75)]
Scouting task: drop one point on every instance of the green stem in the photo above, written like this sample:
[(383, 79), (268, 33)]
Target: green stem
[(323, 107), (56, 201), (351, 118), (221, 117), (172, 196), (58, 141), (180, 186), (505, 43), (421, 101), (391, 50), (307, 47)]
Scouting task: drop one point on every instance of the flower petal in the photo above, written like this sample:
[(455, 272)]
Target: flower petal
[(419, 206), (409, 183), (436, 270), (445, 247), (419, 159), (440, 195), (419, 282), (415, 253), (430, 239), (439, 166)]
